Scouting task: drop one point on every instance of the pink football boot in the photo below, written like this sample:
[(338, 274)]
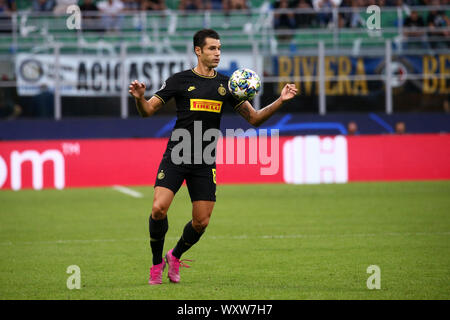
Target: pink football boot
[(156, 272), (174, 266)]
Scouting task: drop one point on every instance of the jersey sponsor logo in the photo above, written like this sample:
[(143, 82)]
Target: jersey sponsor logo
[(206, 105), (191, 88)]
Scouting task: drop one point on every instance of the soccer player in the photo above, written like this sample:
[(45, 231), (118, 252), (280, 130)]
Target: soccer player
[(200, 95)]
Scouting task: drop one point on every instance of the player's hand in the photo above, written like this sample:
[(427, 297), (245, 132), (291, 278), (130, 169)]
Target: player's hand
[(289, 91), (137, 89)]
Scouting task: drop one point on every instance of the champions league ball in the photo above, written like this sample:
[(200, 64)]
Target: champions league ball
[(244, 84)]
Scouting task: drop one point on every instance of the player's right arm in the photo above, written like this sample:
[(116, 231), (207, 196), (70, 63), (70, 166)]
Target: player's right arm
[(146, 108)]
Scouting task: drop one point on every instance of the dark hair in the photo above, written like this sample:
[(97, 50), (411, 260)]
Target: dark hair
[(200, 37)]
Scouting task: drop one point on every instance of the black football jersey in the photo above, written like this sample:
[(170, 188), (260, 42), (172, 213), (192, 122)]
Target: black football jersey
[(200, 101)]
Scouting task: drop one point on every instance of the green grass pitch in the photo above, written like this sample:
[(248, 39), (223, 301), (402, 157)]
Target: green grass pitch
[(263, 242)]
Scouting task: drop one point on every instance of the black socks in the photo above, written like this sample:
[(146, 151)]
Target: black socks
[(187, 240), (158, 229)]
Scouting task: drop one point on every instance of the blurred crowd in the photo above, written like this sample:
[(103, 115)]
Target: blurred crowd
[(318, 14), (321, 15), (108, 6), (317, 11), (107, 15)]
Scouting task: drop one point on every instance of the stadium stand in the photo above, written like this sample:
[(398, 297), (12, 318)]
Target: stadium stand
[(242, 27), (170, 31)]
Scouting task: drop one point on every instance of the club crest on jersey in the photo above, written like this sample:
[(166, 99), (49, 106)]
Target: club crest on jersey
[(206, 105), (161, 175), (222, 91), (191, 88)]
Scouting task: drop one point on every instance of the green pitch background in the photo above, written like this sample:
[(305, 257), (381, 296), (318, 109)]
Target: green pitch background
[(263, 242)]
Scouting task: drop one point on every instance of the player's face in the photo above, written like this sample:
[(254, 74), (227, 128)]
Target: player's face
[(209, 54)]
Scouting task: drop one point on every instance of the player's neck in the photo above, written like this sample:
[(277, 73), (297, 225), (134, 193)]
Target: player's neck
[(204, 71)]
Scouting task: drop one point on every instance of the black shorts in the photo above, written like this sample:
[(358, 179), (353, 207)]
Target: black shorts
[(200, 180)]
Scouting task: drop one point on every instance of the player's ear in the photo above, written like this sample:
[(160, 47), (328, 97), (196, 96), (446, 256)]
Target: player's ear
[(198, 50)]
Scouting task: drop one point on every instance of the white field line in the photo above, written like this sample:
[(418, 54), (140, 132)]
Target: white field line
[(128, 191), (237, 237)]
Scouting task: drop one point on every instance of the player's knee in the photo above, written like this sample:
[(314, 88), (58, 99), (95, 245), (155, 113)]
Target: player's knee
[(200, 224), (159, 211)]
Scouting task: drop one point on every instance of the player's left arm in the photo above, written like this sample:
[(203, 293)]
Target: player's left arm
[(258, 117)]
